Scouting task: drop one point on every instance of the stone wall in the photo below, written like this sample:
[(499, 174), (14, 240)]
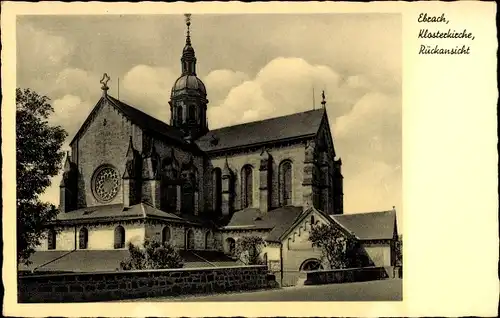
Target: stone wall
[(294, 153), (347, 275), (86, 287)]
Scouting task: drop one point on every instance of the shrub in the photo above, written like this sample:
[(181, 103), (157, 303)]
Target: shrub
[(153, 255)]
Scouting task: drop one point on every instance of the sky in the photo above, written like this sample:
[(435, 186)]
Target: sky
[(255, 66)]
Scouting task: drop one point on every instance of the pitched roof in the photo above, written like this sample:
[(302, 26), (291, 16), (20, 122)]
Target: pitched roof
[(277, 221), (148, 122), (109, 260), (370, 225), (139, 118), (264, 131), (116, 212)]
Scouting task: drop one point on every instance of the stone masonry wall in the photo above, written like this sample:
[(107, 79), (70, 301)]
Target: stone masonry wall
[(347, 275), (294, 153), (86, 287), (105, 141)]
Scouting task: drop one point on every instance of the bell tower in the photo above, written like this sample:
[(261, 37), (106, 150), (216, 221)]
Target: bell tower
[(188, 99)]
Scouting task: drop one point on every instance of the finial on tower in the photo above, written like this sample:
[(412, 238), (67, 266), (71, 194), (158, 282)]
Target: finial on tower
[(104, 81), (323, 102), (188, 24)]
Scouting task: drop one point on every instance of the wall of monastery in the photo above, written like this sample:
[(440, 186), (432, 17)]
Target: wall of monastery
[(86, 287), (294, 153), (104, 141), (100, 236)]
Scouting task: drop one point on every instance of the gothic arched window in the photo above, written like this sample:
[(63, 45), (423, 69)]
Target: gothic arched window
[(165, 235), (169, 179), (231, 245), (119, 237), (208, 240), (285, 183), (189, 180), (190, 239), (246, 186), (84, 238), (217, 189), (51, 239)]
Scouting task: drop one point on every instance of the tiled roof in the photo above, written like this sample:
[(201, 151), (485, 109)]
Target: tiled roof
[(115, 212), (139, 118), (77, 261), (277, 221), (370, 225), (263, 131), (109, 260), (148, 122)]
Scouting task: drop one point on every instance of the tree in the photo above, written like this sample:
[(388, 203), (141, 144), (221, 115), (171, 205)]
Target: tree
[(153, 255), (339, 248), (38, 159), (249, 248), (399, 251)]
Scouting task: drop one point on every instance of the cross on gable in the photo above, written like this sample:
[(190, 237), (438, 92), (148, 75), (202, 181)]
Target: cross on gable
[(104, 81)]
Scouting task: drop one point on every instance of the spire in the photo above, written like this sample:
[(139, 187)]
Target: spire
[(226, 171), (188, 57), (188, 24), (130, 151), (67, 163)]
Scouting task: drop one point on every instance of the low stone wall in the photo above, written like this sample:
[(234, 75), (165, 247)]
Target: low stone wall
[(84, 287), (347, 275)]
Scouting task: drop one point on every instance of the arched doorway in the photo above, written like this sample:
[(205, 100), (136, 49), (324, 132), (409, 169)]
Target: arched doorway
[(231, 245), (190, 239), (311, 265)]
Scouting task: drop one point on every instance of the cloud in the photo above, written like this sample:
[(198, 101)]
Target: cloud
[(220, 82), (371, 185), (372, 129), (148, 88), (38, 49), (77, 82), (285, 86), (365, 118), (70, 112)]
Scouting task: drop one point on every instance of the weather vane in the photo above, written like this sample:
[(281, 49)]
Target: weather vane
[(104, 81)]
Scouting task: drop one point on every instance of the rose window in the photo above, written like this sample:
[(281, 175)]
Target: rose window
[(106, 184)]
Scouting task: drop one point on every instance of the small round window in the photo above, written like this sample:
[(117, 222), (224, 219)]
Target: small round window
[(105, 183)]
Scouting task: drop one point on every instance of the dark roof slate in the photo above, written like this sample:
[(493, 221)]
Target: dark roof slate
[(277, 221), (148, 122), (139, 118), (109, 260), (370, 225), (264, 131), (113, 212)]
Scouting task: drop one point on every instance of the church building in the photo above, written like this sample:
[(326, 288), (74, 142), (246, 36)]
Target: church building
[(131, 177)]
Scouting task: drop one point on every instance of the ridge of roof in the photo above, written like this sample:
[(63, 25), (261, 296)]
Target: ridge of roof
[(362, 213), (136, 116), (271, 130), (379, 225), (320, 110)]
